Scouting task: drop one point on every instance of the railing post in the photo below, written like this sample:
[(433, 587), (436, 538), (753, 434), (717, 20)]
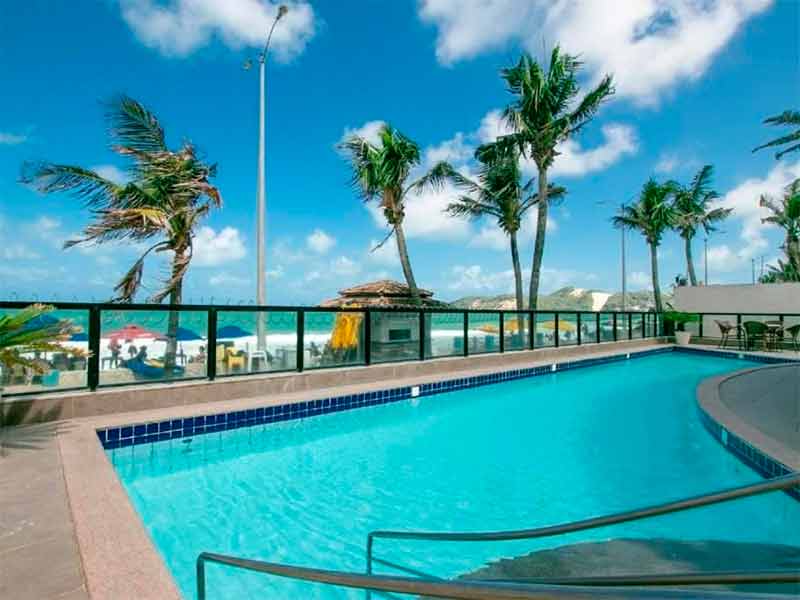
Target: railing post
[(739, 330), (201, 578), (421, 334), (615, 326), (556, 341), (531, 330), (630, 326), (502, 332), (367, 337), (211, 342), (578, 322), (466, 333), (93, 363), (301, 332), (700, 327), (597, 327)]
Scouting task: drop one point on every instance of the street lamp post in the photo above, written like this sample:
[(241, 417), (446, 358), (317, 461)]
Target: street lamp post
[(624, 276), (261, 292), (705, 259)]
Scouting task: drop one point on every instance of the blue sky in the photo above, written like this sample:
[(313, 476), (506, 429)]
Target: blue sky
[(694, 81)]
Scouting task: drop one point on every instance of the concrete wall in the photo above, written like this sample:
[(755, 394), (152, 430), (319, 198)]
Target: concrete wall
[(746, 299)]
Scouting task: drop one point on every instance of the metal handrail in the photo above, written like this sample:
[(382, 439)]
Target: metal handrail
[(726, 495), (572, 589)]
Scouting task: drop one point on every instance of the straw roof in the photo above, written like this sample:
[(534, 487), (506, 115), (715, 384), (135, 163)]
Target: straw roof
[(384, 293)]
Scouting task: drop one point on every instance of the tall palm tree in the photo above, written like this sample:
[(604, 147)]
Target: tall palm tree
[(167, 196), (545, 113), (651, 215), (381, 172), (499, 193), (693, 211), (785, 213), (789, 118)]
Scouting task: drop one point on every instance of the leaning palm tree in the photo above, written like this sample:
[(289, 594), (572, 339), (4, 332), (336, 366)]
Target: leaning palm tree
[(166, 198), (790, 118), (785, 213), (499, 193), (651, 215), (544, 114), (693, 211), (381, 172)]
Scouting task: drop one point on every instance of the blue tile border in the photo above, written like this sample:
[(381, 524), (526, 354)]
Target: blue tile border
[(146, 433)]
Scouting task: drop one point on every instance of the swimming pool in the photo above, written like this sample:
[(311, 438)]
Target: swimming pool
[(516, 454)]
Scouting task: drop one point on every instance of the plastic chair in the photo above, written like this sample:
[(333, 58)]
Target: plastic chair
[(725, 330), (755, 332), (794, 333)]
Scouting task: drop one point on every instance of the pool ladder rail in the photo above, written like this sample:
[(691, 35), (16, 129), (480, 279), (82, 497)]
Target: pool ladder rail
[(544, 588)]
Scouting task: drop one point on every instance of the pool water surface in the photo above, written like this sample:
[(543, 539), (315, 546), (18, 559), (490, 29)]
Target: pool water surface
[(519, 454)]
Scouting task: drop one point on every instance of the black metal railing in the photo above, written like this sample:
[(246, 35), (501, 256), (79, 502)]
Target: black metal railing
[(128, 342)]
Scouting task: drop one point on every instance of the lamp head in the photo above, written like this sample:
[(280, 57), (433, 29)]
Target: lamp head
[(282, 10)]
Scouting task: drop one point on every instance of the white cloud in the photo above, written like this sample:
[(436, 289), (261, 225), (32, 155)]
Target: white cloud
[(344, 267), (667, 163), (320, 242), (744, 200), (212, 249), (472, 278), (492, 237), (492, 127), (227, 280), (12, 139), (179, 27), (17, 251), (455, 151), (640, 280), (369, 131), (574, 161), (112, 173), (649, 46), (276, 273), (385, 255)]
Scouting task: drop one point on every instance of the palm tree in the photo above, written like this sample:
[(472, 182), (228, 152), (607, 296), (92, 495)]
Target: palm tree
[(651, 215), (785, 213), (790, 118), (693, 211), (499, 193), (545, 113), (380, 172), (166, 198)]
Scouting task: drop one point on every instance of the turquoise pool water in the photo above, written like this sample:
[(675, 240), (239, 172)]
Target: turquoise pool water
[(518, 454)]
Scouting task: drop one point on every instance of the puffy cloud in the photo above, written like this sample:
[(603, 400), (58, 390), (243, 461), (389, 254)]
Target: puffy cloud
[(17, 251), (385, 255), (344, 267), (12, 139), (472, 278), (667, 163), (574, 161), (369, 131), (648, 45), (112, 173), (179, 27), (491, 236), (227, 280), (211, 248), (320, 242), (455, 151), (640, 280)]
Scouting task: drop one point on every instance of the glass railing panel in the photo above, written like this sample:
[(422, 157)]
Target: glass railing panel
[(516, 331), (394, 336), (637, 326), (333, 339), (141, 346), (484, 332), (623, 333), (606, 327), (446, 332), (544, 331), (567, 329), (588, 328), (53, 370), (239, 349)]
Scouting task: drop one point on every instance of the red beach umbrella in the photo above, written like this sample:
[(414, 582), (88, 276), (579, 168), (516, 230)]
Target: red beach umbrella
[(132, 332)]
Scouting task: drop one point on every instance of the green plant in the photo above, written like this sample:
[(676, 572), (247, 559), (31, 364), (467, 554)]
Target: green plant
[(380, 172), (651, 215), (789, 118), (25, 332), (680, 319), (785, 213), (167, 196), (499, 193), (546, 112), (693, 211)]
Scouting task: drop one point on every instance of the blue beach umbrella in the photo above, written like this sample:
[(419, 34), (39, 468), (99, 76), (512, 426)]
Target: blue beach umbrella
[(40, 322), (231, 331), (183, 335), (79, 337)]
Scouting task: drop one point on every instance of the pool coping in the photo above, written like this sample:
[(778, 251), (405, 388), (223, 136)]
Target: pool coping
[(119, 558), (758, 450)]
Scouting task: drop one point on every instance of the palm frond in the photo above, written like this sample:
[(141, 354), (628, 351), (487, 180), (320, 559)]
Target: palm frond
[(93, 190), (134, 126)]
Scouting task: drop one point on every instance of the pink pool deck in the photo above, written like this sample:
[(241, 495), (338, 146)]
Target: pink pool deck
[(70, 532)]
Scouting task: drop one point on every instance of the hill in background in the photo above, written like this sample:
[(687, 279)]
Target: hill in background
[(567, 298)]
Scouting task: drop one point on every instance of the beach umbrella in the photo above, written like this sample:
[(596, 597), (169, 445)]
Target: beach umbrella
[(183, 335), (562, 326), (346, 331), (132, 332), (229, 332), (40, 322), (79, 337)]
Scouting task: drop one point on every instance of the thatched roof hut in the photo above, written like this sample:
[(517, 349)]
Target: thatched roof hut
[(384, 293)]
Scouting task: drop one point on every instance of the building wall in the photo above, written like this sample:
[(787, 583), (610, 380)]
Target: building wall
[(751, 299)]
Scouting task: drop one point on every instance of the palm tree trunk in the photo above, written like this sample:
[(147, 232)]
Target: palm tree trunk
[(405, 262), (517, 270), (654, 272), (690, 261), (793, 251), (175, 298), (538, 245)]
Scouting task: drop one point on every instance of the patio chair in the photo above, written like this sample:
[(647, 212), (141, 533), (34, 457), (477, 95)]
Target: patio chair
[(725, 330), (794, 333), (755, 332)]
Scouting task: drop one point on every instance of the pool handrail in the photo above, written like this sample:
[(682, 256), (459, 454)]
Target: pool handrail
[(569, 588), (776, 483)]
